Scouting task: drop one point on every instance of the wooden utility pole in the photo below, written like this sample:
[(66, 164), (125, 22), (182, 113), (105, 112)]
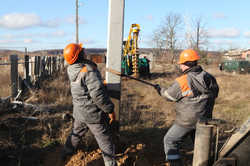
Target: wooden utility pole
[(77, 23)]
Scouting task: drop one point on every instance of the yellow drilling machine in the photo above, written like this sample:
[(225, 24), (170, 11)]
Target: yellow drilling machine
[(131, 63)]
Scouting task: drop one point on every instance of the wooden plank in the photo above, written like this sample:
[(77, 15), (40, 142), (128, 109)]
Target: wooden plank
[(32, 69), (38, 66), (54, 68), (49, 66), (43, 65), (26, 68), (14, 75), (235, 139)]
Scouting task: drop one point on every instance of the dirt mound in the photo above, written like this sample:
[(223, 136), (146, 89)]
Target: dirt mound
[(133, 155)]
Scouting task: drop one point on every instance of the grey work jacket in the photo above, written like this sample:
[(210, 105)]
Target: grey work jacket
[(194, 93), (90, 97)]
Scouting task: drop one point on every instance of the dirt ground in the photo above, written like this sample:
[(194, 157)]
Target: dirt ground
[(29, 142), (34, 136)]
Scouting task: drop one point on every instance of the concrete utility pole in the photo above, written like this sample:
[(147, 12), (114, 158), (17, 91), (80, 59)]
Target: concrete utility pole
[(77, 23), (114, 50)]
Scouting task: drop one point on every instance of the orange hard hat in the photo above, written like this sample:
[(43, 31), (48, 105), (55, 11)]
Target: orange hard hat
[(188, 55), (71, 52)]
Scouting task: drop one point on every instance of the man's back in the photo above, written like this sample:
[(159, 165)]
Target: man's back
[(194, 93), (90, 98)]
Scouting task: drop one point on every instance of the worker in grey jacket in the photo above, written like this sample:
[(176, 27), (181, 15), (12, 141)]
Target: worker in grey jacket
[(194, 93), (91, 104)]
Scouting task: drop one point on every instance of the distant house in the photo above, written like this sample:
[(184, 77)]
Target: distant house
[(246, 54), (4, 59), (233, 54)]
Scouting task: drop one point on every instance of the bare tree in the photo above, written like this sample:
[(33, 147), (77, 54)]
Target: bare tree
[(197, 36), (158, 44), (167, 35), (169, 30)]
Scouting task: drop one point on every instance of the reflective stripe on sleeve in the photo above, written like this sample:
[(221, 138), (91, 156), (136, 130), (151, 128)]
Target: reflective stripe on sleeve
[(187, 93), (165, 93), (173, 157)]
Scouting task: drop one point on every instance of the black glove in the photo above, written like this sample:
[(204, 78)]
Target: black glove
[(158, 88)]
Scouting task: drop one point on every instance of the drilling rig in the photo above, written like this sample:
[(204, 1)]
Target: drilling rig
[(131, 63)]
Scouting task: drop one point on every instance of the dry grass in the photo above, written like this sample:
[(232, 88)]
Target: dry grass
[(141, 106), (233, 103), (54, 91)]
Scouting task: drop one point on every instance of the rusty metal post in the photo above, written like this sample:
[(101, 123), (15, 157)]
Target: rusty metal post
[(202, 145), (14, 75)]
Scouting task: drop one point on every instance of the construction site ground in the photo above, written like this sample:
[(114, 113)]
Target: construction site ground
[(33, 135)]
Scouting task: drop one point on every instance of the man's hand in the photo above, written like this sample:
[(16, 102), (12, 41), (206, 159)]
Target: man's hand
[(111, 117), (114, 124), (158, 88)]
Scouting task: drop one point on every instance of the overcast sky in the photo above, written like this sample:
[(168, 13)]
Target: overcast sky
[(48, 24)]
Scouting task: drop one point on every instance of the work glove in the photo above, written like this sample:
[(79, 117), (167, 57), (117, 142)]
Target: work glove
[(158, 88), (111, 117)]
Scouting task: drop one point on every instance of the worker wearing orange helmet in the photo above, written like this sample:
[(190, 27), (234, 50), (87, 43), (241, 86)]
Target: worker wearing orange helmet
[(92, 107), (194, 93)]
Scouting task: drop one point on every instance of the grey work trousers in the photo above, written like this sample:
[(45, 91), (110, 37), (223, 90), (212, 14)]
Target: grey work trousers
[(102, 134), (173, 140)]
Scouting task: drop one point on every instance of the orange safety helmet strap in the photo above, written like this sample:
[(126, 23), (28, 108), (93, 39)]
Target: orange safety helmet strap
[(188, 55), (71, 52)]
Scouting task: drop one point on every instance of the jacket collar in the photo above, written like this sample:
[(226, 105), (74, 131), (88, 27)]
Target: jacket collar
[(197, 68), (86, 61)]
